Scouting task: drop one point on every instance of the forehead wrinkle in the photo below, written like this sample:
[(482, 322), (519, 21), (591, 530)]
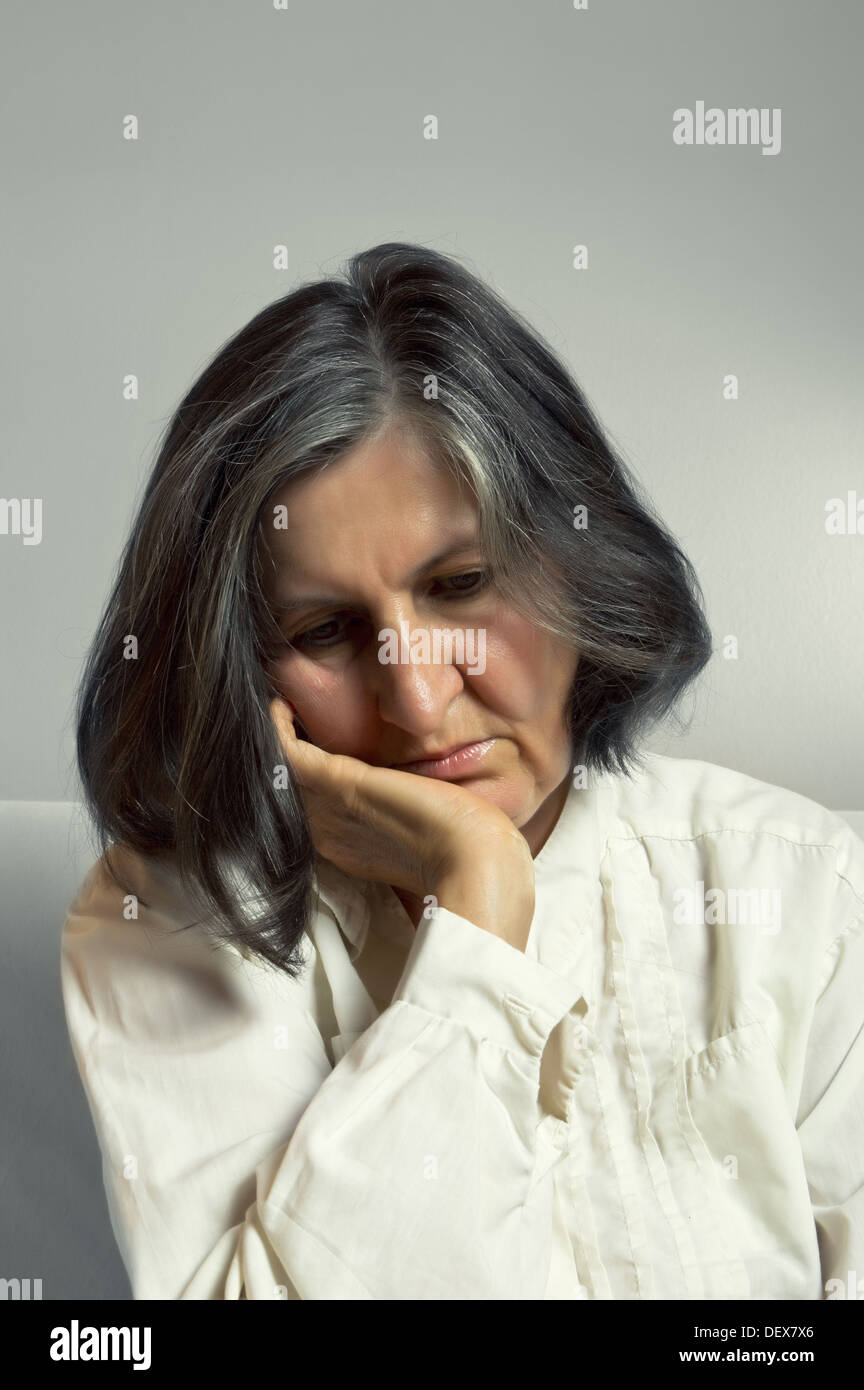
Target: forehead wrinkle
[(413, 516), (328, 588)]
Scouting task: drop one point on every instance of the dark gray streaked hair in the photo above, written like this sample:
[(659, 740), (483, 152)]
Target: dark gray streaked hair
[(176, 749)]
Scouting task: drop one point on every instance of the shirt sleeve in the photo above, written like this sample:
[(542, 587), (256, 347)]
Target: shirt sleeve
[(239, 1164), (830, 1120)]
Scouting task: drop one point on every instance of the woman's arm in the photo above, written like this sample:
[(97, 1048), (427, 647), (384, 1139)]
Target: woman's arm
[(239, 1164)]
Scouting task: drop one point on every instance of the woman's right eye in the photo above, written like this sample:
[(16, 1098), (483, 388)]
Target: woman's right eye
[(324, 635)]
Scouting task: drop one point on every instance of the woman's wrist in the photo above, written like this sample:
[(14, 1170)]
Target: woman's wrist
[(496, 895)]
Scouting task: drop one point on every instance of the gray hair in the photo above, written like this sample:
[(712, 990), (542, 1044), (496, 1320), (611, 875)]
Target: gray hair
[(176, 748)]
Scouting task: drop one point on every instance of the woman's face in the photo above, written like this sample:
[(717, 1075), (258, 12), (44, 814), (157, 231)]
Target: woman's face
[(383, 538)]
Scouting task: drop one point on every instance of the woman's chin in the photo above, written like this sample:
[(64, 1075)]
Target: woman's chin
[(500, 791)]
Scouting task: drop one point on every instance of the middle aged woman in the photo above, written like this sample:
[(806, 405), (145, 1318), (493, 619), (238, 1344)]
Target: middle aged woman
[(471, 997)]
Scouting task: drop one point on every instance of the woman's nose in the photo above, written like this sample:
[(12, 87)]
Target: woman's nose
[(418, 671)]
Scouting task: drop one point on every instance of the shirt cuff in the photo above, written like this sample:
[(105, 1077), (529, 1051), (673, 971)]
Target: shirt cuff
[(457, 970)]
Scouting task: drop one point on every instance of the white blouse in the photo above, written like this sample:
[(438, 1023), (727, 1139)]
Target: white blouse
[(662, 1098)]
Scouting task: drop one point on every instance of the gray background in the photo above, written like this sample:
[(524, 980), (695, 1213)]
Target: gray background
[(305, 127)]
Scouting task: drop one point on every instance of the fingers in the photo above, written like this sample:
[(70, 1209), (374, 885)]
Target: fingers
[(282, 715), (311, 765)]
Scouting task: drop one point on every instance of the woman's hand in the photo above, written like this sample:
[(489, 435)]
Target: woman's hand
[(415, 833)]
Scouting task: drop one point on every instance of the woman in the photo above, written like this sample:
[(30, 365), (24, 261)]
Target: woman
[(404, 973)]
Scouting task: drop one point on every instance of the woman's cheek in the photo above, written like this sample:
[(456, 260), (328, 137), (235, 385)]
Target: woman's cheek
[(515, 682), (325, 701)]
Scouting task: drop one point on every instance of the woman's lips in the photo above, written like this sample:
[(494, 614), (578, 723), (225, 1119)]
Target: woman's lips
[(461, 760)]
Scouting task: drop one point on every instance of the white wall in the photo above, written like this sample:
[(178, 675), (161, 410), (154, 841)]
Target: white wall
[(304, 126)]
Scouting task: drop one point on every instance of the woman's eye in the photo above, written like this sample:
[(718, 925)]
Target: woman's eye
[(332, 632), (477, 580), (324, 635)]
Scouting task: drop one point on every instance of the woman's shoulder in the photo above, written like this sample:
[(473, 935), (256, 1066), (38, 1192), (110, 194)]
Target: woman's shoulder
[(688, 798), (142, 972), (132, 905), (122, 881), (697, 796), (138, 945)]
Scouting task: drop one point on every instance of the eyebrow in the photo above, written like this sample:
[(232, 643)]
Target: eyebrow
[(468, 542)]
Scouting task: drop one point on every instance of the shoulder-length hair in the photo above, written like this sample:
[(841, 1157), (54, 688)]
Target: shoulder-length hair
[(176, 748)]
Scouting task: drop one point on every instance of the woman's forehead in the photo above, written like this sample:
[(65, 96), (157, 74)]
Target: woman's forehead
[(372, 505), (391, 468), (305, 574)]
